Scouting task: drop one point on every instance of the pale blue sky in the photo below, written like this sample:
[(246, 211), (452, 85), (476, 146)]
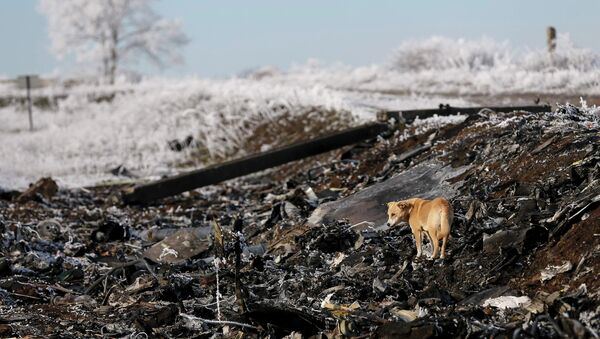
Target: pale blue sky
[(230, 36)]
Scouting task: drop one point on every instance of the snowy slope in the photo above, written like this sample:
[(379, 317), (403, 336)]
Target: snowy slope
[(81, 141)]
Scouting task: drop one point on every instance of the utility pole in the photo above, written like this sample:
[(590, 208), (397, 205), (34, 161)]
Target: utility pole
[(28, 84)]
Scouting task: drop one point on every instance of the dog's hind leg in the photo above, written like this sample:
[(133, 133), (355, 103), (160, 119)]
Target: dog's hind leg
[(436, 243), (446, 217), (444, 239)]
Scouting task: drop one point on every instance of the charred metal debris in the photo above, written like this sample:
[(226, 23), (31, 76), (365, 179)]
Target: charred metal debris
[(300, 251)]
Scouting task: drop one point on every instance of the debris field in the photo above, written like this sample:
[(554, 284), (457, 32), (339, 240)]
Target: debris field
[(302, 250)]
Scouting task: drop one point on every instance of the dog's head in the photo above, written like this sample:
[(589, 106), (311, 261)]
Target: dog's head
[(398, 211)]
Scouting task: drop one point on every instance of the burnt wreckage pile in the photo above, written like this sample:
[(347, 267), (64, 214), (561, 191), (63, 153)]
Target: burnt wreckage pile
[(301, 250)]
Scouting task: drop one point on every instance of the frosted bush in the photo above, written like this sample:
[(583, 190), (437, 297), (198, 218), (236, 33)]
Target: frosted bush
[(566, 57), (475, 67), (441, 53)]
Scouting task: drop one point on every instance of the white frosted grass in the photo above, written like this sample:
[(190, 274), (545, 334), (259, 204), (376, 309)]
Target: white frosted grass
[(437, 65), (83, 139), (441, 65)]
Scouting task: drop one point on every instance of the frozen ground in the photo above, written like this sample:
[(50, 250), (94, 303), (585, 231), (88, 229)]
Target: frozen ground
[(80, 141)]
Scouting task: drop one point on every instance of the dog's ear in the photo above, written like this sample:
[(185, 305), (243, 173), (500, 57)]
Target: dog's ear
[(403, 205), (389, 204)]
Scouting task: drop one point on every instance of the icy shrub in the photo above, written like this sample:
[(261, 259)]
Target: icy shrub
[(566, 57), (473, 67), (440, 53)]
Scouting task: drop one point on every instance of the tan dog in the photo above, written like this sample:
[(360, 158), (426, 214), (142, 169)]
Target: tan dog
[(431, 216)]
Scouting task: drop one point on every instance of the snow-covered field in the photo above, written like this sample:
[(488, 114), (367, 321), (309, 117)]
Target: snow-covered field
[(80, 141)]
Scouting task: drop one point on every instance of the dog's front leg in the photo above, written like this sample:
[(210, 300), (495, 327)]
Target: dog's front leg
[(418, 241)]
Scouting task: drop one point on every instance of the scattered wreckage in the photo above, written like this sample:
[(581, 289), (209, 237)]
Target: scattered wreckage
[(303, 250)]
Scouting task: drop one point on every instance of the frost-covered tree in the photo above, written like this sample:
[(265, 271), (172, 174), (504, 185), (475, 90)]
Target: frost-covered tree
[(112, 32)]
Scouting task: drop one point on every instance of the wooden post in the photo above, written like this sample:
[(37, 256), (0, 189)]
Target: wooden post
[(551, 39), (28, 84)]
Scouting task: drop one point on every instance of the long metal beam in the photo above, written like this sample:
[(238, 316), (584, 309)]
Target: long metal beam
[(253, 163)]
